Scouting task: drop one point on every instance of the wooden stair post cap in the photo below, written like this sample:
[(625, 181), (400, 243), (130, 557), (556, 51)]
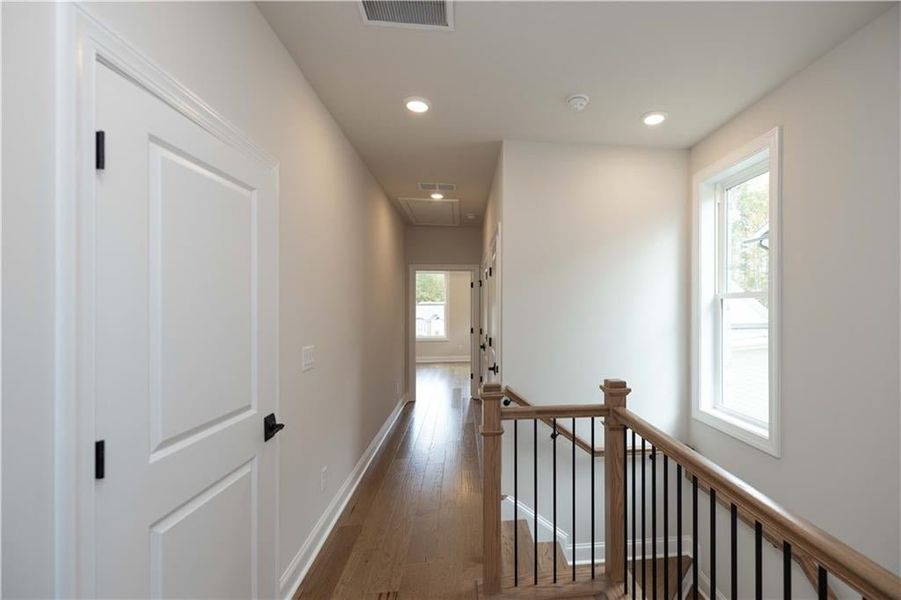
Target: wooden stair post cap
[(616, 387)]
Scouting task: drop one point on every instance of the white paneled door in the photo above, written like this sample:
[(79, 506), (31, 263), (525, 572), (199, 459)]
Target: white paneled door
[(185, 315)]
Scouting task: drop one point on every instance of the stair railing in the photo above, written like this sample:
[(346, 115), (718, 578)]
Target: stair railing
[(819, 554), (493, 415)]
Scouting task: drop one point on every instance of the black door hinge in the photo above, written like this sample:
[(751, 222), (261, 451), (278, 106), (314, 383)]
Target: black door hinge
[(99, 459), (471, 375), (490, 271), (491, 341), (480, 331), (472, 284), (480, 283), (481, 379), (471, 331), (99, 150)]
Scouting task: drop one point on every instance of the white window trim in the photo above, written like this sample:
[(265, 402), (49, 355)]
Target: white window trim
[(705, 323), (445, 337)]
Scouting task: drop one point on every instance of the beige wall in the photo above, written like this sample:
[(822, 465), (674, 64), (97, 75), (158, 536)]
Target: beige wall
[(443, 245), (840, 304), (341, 262), (457, 346)]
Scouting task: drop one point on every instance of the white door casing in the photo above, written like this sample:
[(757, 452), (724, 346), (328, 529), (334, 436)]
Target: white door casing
[(475, 301), (491, 338), (181, 246)]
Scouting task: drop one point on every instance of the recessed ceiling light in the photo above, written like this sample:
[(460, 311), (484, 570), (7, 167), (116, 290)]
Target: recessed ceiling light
[(437, 196), (653, 118), (417, 104)]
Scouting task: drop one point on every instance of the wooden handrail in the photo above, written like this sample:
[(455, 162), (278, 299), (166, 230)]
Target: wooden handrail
[(597, 452), (808, 565), (554, 411), (855, 569)]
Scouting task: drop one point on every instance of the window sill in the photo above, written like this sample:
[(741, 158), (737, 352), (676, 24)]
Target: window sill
[(432, 339), (753, 435)]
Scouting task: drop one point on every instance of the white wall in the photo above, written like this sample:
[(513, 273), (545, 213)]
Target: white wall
[(341, 261), (595, 261), (457, 345), (28, 287), (595, 249), (840, 309), (495, 205)]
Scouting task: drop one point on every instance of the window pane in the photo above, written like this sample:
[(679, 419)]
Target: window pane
[(431, 287), (746, 358), (747, 231), (430, 320)]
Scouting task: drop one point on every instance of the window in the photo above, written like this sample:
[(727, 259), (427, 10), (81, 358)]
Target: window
[(431, 306), (736, 283)]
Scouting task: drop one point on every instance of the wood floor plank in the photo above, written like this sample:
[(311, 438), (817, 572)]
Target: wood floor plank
[(413, 527)]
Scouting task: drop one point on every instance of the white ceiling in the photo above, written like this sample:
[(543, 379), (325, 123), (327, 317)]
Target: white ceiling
[(506, 69)]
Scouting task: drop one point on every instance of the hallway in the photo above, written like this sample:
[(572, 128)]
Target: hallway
[(423, 486)]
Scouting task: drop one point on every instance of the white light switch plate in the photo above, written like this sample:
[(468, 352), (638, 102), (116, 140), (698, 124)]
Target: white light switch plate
[(308, 358)]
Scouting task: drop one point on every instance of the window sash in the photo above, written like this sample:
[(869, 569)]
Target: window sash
[(445, 276), (721, 236)]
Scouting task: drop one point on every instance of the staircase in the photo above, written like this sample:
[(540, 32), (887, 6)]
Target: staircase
[(524, 585), (639, 560)]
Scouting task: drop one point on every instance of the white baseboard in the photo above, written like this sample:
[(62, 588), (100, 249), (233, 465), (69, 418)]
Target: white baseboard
[(303, 560), (583, 550), (704, 586), (442, 359)]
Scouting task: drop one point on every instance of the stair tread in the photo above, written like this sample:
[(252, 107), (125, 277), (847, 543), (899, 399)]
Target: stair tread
[(675, 576), (526, 547), (548, 552)]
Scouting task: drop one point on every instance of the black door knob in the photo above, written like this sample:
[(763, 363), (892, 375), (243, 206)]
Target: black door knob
[(494, 368), (270, 427)]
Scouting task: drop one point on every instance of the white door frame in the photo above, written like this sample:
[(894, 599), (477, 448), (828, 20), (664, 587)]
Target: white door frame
[(84, 42), (411, 319), (494, 249)]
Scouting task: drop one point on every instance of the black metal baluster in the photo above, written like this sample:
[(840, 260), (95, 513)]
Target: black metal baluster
[(712, 543), (654, 521), (634, 530), (758, 560), (574, 498), (535, 495), (625, 515), (786, 570), (694, 534), (734, 553), (644, 529), (822, 585), (554, 485), (665, 527), (679, 524), (515, 502), (592, 495)]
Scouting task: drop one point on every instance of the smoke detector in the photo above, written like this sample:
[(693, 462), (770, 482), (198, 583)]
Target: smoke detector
[(578, 102)]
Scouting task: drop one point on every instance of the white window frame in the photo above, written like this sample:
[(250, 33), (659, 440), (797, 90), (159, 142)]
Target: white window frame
[(445, 337), (708, 185)]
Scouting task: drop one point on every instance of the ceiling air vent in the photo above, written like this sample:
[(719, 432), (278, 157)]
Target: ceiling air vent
[(423, 211), (427, 14), (437, 187)]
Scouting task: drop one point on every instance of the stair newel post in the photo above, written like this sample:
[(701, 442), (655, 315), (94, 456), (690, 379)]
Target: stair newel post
[(615, 392), (491, 487)]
